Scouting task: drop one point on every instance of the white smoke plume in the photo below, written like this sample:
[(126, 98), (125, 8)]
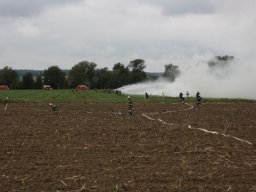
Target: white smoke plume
[(236, 80)]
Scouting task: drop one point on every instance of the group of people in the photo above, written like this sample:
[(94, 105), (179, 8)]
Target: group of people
[(130, 102), (198, 98), (53, 107)]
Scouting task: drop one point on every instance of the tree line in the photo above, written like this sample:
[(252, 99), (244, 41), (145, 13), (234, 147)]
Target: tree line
[(84, 73)]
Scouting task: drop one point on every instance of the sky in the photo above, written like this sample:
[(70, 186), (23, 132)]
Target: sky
[(36, 34)]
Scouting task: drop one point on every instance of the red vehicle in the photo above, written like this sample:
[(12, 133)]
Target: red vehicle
[(4, 87), (81, 87)]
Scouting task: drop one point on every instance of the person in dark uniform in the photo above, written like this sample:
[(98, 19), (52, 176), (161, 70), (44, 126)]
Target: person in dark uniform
[(198, 98), (146, 95), (187, 94), (182, 99), (130, 105)]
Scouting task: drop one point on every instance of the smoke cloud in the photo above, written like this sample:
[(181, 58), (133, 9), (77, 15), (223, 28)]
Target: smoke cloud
[(234, 80)]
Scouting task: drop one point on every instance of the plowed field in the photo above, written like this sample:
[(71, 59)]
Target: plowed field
[(99, 147)]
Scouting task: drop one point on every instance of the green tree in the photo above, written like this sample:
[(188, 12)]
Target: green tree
[(171, 72), (137, 65), (136, 68), (102, 78), (8, 76), (82, 73), (220, 61), (17, 84), (39, 82), (28, 81), (120, 69), (55, 77), (120, 75)]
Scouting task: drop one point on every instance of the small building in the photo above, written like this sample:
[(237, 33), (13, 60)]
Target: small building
[(81, 87), (47, 87), (4, 87)]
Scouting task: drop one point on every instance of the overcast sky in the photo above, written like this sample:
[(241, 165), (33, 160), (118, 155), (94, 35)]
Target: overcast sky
[(35, 34)]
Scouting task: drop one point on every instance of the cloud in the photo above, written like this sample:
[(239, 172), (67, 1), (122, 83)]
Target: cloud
[(26, 8), (184, 7), (37, 34), (235, 81)]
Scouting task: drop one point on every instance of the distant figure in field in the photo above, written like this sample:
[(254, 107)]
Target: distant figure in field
[(6, 103), (146, 95), (198, 98), (130, 105), (53, 107), (182, 99), (187, 94), (163, 97)]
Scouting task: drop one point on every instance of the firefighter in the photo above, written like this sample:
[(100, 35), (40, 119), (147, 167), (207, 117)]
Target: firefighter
[(182, 99), (198, 99), (146, 95), (187, 94), (130, 105)]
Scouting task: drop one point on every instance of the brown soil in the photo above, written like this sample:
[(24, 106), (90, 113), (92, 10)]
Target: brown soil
[(90, 147)]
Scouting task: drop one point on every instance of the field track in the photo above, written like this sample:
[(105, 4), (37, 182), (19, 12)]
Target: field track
[(99, 147)]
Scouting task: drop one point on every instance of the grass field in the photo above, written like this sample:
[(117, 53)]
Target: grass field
[(66, 95), (92, 96)]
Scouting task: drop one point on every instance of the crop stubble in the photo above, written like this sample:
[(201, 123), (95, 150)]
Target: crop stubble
[(99, 147)]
